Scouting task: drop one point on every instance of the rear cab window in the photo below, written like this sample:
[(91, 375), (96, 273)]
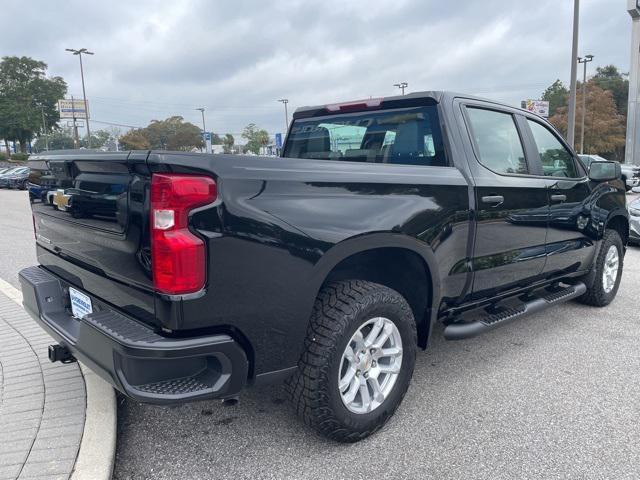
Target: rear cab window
[(404, 136), (498, 141)]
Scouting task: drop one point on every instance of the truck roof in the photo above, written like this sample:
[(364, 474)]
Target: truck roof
[(429, 97)]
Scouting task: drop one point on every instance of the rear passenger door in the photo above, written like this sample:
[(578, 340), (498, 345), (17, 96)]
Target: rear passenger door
[(570, 237), (511, 198)]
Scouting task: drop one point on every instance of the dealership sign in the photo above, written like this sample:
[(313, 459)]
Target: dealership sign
[(73, 109), (539, 107)]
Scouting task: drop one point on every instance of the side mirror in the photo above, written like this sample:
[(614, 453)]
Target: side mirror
[(604, 171)]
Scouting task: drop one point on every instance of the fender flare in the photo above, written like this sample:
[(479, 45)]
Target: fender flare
[(359, 244)]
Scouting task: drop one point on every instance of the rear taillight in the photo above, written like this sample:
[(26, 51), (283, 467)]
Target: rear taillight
[(177, 255)]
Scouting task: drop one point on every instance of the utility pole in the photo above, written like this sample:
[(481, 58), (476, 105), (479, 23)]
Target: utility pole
[(401, 86), (571, 124), (284, 101), (44, 129), (632, 149), (585, 60), (76, 139), (84, 93)]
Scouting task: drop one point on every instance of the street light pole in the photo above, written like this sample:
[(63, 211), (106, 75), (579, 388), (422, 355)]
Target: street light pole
[(584, 61), (571, 124), (284, 101), (204, 129), (84, 93), (401, 86), (44, 129)]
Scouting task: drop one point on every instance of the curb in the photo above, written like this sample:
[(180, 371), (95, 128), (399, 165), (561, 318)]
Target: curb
[(96, 455)]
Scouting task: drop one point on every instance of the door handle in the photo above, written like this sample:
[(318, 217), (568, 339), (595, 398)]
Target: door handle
[(558, 198), (494, 200)]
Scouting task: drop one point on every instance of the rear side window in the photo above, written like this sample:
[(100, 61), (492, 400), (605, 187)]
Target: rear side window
[(556, 160), (498, 141), (409, 136)]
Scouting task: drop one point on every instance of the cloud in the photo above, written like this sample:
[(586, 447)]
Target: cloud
[(154, 59)]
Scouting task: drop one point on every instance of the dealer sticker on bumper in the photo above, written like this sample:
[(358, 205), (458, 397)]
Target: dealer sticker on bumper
[(80, 303)]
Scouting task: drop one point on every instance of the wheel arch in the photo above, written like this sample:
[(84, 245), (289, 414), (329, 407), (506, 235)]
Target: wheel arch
[(620, 222), (396, 261)]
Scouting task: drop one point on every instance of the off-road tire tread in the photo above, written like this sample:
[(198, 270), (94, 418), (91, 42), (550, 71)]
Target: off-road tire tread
[(595, 295), (334, 309)]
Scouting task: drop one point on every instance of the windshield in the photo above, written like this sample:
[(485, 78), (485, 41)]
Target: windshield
[(408, 136)]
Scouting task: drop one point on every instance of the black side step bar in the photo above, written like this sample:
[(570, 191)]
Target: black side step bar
[(460, 331)]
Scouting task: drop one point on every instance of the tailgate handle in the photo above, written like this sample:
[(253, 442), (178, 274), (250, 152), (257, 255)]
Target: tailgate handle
[(558, 198), (494, 200)]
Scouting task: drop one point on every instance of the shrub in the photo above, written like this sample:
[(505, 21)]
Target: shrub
[(19, 157)]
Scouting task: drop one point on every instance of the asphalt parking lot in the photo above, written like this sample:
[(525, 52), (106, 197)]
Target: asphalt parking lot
[(555, 395)]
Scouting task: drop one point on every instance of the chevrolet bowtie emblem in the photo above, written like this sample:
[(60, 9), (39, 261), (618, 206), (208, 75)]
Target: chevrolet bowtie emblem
[(61, 200)]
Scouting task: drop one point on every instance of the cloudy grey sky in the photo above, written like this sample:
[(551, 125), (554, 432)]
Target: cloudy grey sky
[(159, 58)]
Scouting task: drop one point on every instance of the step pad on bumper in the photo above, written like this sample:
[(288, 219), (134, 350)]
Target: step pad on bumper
[(177, 386), (130, 355), (481, 323)]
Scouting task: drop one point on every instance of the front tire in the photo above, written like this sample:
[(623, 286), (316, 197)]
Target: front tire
[(358, 361), (604, 280)]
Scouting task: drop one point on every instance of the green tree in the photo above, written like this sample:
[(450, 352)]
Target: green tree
[(256, 138), (610, 79), (25, 95), (99, 139), (228, 142), (557, 95), (57, 140), (173, 133), (135, 140)]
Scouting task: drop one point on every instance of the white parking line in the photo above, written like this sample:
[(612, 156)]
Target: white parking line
[(10, 291)]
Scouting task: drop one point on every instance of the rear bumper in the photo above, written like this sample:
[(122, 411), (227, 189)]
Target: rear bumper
[(131, 356)]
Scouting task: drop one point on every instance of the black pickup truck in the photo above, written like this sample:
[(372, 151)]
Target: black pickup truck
[(197, 275)]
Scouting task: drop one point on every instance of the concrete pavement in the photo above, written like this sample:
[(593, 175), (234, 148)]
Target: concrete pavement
[(56, 421), (42, 405)]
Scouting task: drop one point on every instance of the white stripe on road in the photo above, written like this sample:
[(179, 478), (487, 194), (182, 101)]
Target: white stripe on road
[(10, 291)]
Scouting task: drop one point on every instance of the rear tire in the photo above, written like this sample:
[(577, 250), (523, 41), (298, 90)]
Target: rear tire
[(333, 363), (601, 288)]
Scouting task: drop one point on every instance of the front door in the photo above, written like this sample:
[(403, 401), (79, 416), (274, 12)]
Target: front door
[(571, 235), (512, 204)]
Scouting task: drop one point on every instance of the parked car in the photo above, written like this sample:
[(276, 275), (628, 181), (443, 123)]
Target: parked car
[(634, 221), (14, 178), (326, 267), (630, 173), (19, 179)]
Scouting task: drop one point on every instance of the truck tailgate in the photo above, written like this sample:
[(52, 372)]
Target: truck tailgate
[(91, 221)]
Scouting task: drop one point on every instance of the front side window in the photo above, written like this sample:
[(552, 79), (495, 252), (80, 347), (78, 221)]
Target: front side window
[(408, 136), (498, 141), (556, 160)]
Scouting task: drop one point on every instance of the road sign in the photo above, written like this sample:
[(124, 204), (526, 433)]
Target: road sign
[(73, 109), (278, 140), (539, 107), (207, 141)]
